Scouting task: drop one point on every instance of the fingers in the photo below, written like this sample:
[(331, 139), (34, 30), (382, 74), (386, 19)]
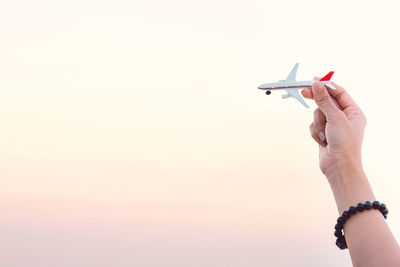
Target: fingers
[(319, 124), (314, 135), (340, 95), (307, 93), (324, 101)]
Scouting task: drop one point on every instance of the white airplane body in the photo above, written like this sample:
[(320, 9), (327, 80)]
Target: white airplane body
[(292, 86)]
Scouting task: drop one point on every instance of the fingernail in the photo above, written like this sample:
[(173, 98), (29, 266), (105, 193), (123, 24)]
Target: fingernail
[(318, 87), (322, 136)]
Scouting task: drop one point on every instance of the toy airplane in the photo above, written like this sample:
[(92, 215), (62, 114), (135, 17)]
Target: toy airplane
[(292, 86)]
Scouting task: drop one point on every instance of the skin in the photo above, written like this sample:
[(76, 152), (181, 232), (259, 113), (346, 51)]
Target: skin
[(338, 129)]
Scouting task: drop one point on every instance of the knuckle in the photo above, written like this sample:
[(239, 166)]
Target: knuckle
[(319, 121), (360, 116), (363, 121), (323, 100), (319, 127), (316, 139), (314, 136), (313, 132), (363, 118), (338, 115)]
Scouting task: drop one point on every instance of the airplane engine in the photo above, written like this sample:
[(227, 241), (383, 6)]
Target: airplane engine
[(286, 96)]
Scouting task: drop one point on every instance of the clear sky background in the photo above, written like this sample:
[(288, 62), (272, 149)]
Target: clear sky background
[(132, 132)]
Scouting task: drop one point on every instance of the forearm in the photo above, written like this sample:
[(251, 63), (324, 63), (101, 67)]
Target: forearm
[(350, 186), (368, 236)]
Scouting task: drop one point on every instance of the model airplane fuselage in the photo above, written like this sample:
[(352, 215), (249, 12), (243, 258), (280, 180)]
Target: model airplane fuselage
[(292, 86)]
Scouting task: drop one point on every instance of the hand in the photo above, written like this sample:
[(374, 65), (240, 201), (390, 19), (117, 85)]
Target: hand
[(338, 128)]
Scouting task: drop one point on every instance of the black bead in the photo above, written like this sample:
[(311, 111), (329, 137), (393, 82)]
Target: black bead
[(368, 205), (338, 233), (340, 239), (340, 245), (344, 243), (382, 207), (345, 215), (376, 204), (352, 210), (341, 242), (360, 207)]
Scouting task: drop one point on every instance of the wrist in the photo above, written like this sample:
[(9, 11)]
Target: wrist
[(350, 186), (344, 169)]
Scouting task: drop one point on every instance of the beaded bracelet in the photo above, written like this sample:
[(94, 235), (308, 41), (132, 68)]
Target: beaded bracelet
[(341, 241)]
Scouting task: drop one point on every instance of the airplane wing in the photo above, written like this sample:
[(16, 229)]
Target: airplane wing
[(292, 74), (295, 93)]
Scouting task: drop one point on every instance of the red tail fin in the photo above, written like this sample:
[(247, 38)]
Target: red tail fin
[(327, 77)]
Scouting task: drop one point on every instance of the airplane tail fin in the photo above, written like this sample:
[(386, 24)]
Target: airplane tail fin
[(327, 77)]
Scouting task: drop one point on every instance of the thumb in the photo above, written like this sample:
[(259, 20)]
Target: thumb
[(323, 100)]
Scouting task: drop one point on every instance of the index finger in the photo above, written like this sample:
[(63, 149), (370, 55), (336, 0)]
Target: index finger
[(340, 95)]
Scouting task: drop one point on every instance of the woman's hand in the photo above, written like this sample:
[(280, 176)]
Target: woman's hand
[(338, 128)]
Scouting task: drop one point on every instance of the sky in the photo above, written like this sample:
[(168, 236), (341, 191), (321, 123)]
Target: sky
[(133, 133)]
